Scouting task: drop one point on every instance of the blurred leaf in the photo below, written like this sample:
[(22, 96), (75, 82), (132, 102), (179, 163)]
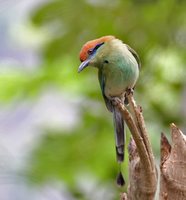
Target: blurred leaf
[(88, 149)]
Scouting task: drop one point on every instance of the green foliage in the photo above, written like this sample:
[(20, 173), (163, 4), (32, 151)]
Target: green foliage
[(87, 150)]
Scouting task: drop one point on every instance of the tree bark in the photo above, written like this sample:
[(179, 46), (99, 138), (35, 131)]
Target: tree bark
[(142, 170), (173, 166)]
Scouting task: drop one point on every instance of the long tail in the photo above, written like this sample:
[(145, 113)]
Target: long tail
[(119, 134), (120, 142)]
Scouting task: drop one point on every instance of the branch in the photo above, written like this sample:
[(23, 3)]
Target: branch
[(137, 114), (136, 135), (143, 177)]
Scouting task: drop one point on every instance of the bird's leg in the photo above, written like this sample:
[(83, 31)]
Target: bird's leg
[(115, 100), (129, 91), (126, 101)]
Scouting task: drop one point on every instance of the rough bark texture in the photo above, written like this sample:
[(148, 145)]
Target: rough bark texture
[(139, 188), (142, 170), (173, 166)]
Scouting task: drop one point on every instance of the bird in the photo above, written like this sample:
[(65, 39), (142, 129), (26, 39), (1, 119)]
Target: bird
[(118, 71)]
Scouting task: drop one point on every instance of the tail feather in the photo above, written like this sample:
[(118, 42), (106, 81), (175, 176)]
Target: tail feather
[(119, 134)]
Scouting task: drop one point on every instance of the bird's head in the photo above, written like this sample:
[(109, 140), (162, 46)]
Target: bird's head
[(89, 50)]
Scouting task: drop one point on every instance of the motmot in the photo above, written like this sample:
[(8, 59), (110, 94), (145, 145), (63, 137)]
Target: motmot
[(118, 70)]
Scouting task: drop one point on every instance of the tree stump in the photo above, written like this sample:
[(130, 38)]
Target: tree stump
[(173, 166), (143, 175)]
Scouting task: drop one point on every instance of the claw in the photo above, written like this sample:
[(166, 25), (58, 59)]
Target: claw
[(116, 101), (130, 91)]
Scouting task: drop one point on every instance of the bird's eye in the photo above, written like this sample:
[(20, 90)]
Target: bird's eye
[(106, 61), (90, 51)]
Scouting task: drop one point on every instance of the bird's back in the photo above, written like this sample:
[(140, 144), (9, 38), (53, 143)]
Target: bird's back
[(121, 70)]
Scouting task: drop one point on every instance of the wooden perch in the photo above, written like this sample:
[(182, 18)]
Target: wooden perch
[(173, 166), (142, 170)]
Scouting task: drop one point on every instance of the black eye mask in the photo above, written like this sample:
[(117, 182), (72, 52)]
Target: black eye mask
[(93, 50)]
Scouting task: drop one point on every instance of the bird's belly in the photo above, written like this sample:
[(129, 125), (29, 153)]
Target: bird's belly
[(117, 83), (115, 90)]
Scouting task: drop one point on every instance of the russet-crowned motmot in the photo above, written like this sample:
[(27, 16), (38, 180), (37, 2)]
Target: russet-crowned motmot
[(118, 70)]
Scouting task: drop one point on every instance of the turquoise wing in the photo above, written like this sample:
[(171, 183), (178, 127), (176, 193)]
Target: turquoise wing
[(135, 55)]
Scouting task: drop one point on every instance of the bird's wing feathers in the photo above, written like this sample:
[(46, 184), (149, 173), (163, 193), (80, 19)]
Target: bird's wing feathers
[(118, 121), (135, 55), (102, 85)]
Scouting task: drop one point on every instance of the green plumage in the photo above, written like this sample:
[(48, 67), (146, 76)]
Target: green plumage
[(118, 67), (118, 70)]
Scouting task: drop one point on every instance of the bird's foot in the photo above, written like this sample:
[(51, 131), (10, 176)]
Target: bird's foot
[(129, 91), (126, 101), (115, 101)]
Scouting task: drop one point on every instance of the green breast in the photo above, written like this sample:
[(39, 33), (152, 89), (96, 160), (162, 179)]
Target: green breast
[(120, 73), (118, 66)]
